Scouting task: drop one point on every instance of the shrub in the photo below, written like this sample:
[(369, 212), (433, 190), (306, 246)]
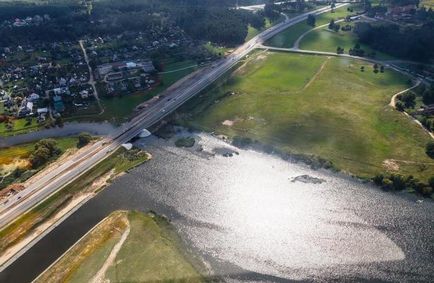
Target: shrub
[(429, 149), (44, 150), (83, 139)]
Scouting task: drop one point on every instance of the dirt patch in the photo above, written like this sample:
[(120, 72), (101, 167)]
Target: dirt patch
[(228, 123), (391, 165), (16, 163), (262, 56), (11, 190)]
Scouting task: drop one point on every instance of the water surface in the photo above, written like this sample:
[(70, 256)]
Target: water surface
[(252, 219)]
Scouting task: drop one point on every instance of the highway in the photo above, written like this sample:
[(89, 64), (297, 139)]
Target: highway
[(169, 101)]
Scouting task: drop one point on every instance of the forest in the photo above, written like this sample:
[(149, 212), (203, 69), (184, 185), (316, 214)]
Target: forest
[(209, 20)]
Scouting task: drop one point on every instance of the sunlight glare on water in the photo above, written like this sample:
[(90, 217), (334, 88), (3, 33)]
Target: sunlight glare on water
[(259, 220)]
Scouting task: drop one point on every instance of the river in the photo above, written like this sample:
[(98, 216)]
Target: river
[(256, 217)]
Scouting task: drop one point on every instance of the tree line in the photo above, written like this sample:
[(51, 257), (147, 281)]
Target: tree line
[(414, 43), (209, 20)]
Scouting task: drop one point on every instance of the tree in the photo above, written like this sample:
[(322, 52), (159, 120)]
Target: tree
[(399, 183), (311, 20), (83, 139), (428, 96), (339, 50), (409, 99), (375, 68), (431, 182), (333, 6), (429, 149), (331, 24), (44, 150), (400, 106)]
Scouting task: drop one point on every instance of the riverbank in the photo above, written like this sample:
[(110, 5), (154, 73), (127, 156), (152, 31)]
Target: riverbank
[(26, 230), (248, 216), (127, 246), (69, 129), (328, 109)]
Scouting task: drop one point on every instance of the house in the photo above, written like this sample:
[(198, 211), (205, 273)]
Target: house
[(147, 66), (42, 111), (104, 69), (61, 90), (84, 94), (29, 106), (58, 104), (33, 97)]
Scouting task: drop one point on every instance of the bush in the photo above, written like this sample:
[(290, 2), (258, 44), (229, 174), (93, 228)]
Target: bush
[(83, 139), (185, 142), (44, 151), (431, 182), (400, 106), (429, 149), (241, 141)]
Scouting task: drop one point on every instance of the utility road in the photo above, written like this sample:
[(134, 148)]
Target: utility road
[(169, 101)]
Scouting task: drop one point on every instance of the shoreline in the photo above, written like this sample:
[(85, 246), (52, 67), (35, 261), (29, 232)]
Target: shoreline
[(15, 251), (69, 129), (311, 161)]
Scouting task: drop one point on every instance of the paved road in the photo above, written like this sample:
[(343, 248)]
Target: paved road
[(169, 101)]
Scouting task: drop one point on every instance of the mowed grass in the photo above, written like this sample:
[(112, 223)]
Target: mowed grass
[(20, 126), (327, 40), (288, 37), (152, 252), (317, 106)]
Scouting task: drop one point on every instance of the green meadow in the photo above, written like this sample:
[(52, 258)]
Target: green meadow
[(151, 252), (327, 40), (317, 105), (288, 37)]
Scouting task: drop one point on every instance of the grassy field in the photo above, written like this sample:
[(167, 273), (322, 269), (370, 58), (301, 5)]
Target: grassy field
[(22, 151), (15, 157), (327, 40), (119, 161), (317, 106), (20, 126), (288, 37), (215, 50), (151, 252)]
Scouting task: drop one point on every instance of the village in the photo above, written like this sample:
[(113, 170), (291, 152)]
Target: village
[(42, 84)]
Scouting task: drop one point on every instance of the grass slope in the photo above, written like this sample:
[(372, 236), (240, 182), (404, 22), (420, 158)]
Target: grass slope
[(152, 252), (327, 40), (17, 156), (288, 37), (317, 105), (120, 161)]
